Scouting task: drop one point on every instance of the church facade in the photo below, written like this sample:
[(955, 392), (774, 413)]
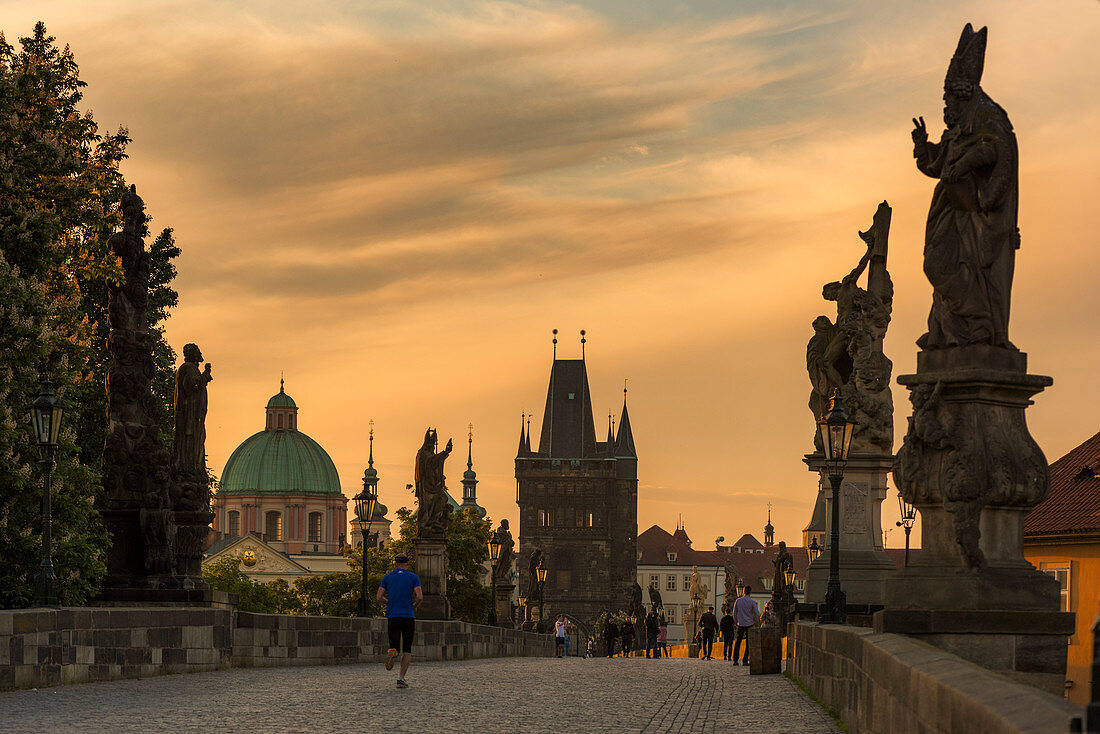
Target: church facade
[(578, 504)]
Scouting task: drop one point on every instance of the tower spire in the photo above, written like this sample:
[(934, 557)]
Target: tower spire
[(769, 531), (528, 444), (522, 436), (624, 440), (470, 448), (370, 459), (469, 478)]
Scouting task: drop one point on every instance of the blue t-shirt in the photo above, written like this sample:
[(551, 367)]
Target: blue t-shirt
[(399, 584)]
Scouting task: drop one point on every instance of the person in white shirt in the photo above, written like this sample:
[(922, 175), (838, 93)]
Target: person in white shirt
[(559, 634)]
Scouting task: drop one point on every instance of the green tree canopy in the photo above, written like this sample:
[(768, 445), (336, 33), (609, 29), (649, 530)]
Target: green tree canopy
[(60, 187)]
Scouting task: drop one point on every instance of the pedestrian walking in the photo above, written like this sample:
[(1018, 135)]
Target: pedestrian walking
[(568, 637), (746, 612), (662, 637), (628, 637), (651, 632), (401, 590), (709, 624), (559, 634), (610, 634), (729, 631), (590, 649)]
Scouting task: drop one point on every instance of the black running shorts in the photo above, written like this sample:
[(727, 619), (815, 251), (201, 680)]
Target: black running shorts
[(401, 633)]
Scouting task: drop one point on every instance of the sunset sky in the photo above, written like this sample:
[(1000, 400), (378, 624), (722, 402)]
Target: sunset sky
[(393, 203)]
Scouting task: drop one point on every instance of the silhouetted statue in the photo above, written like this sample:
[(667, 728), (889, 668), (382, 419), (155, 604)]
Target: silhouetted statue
[(655, 597), (971, 236), (433, 513), (502, 571), (189, 445)]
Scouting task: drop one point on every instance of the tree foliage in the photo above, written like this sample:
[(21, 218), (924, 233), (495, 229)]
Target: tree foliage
[(59, 192)]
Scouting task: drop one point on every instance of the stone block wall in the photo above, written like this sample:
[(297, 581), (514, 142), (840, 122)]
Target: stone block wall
[(892, 683), (279, 639), (41, 648), (45, 647)]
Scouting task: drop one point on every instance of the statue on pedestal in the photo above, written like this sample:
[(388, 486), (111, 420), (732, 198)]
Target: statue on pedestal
[(502, 571), (847, 355), (971, 237), (655, 597), (433, 513)]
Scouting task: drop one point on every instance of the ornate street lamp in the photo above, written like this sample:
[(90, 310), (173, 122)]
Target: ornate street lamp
[(740, 588), (365, 503), (908, 518), (814, 550), (835, 429), (540, 575), (46, 413), (494, 556)]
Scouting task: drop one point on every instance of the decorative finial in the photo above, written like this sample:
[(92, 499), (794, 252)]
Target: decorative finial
[(280, 380), (624, 389), (582, 344), (370, 459), (470, 448), (555, 343)]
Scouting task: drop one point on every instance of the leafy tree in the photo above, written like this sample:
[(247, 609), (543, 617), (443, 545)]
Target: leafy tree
[(225, 574), (59, 193), (284, 599), (329, 595)]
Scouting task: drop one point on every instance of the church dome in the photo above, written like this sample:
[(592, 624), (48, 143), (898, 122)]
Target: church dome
[(280, 459)]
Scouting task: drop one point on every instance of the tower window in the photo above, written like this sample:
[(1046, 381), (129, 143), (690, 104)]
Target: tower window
[(316, 520), (234, 529), (280, 420), (545, 518), (274, 526)]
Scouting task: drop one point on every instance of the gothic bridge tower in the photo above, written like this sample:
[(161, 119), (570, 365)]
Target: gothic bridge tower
[(578, 502)]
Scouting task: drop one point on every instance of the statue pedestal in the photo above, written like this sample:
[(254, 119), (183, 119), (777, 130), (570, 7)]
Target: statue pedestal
[(765, 651), (973, 471), (431, 567), (192, 531), (503, 603), (864, 564)]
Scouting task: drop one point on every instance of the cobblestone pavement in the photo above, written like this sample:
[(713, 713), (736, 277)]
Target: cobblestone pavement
[(510, 694)]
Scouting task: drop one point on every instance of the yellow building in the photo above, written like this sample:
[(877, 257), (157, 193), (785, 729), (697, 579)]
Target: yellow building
[(1062, 538)]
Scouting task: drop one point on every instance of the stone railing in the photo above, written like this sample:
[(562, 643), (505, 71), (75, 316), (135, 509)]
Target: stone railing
[(893, 683), (50, 647)]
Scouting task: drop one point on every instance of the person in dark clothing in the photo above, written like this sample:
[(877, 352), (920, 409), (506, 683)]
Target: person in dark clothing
[(651, 632), (627, 634), (729, 631), (709, 623), (610, 634)]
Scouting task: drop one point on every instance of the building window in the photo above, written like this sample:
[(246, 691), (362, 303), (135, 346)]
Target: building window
[(280, 420), (234, 530), (687, 582), (545, 518), (1060, 571), (670, 583), (670, 615), (316, 522), (671, 557), (768, 583), (800, 584), (274, 526), (655, 581)]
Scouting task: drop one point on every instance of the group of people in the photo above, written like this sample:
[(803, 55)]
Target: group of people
[(620, 639), (733, 628)]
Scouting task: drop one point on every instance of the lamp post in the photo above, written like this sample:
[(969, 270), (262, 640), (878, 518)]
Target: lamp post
[(788, 576), (46, 413), (836, 429), (494, 556), (365, 502), (814, 550), (540, 575), (908, 518)]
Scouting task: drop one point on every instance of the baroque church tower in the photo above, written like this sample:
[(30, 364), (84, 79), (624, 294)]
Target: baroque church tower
[(578, 502)]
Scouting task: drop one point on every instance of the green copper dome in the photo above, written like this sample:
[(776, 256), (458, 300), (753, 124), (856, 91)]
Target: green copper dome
[(278, 460)]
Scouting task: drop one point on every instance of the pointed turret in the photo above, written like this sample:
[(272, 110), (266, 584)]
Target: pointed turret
[(469, 478), (769, 531), (624, 442), (527, 443), (523, 442), (610, 433)]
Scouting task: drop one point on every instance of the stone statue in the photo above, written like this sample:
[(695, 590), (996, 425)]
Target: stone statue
[(502, 571), (433, 513), (783, 562), (731, 584), (655, 597), (533, 564), (847, 355), (189, 446), (635, 608), (971, 236)]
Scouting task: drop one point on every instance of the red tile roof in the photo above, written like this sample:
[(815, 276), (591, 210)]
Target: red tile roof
[(748, 541), (1073, 505)]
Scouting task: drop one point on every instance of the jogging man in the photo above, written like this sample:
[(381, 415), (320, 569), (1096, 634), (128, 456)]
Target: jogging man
[(401, 590)]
